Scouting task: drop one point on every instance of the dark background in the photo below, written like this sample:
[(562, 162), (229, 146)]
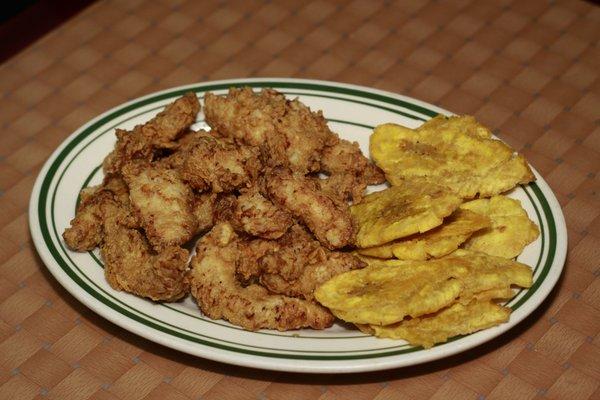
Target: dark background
[(24, 21)]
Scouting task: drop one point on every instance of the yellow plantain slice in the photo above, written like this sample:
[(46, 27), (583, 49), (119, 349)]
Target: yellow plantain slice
[(456, 152), (458, 319), (511, 228), (381, 294), (401, 211), (435, 243)]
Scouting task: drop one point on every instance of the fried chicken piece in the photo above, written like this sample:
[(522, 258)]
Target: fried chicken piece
[(179, 151), (349, 171), (294, 265), (157, 133), (85, 231), (220, 295), (288, 133), (257, 216), (307, 134), (204, 209), (249, 118), (219, 165), (131, 265), (312, 276), (163, 202), (327, 218)]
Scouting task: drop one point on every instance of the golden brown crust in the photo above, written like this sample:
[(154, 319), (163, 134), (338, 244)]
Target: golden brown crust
[(327, 218), (219, 165), (349, 171), (163, 203), (287, 132), (85, 231), (257, 216), (159, 132), (132, 266), (220, 295)]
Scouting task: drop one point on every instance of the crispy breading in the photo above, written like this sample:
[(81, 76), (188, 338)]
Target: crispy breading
[(401, 211), (220, 295), (312, 275), (258, 216), (288, 133), (381, 294), (204, 210), (511, 228), (349, 171), (457, 319), (131, 265), (174, 157), (435, 243), (456, 152), (159, 132), (327, 218), (85, 231), (163, 202), (218, 165)]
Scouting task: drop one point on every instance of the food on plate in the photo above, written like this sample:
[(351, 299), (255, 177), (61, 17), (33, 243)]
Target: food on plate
[(85, 232), (159, 133), (511, 228), (258, 216), (438, 327), (285, 235), (220, 294), (219, 165), (162, 202), (456, 152), (384, 295), (166, 184), (435, 243), (401, 211), (326, 217), (290, 135)]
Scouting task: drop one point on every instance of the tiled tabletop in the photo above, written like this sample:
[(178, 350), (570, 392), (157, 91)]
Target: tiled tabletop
[(529, 69)]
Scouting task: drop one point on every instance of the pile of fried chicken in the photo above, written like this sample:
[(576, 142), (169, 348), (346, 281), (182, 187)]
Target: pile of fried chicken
[(266, 189)]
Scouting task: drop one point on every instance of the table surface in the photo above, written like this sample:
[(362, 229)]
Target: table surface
[(528, 69)]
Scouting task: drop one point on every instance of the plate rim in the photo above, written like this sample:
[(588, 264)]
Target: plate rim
[(392, 361)]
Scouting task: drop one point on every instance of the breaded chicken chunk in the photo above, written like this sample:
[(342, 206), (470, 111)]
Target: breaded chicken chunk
[(131, 265), (349, 171), (327, 218), (163, 202), (159, 132), (220, 295), (300, 264), (288, 133), (258, 216), (219, 165), (85, 231)]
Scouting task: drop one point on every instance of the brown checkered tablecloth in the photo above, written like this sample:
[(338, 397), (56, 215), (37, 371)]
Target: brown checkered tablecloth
[(529, 69)]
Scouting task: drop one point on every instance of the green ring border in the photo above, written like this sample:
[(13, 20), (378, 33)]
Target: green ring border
[(201, 88)]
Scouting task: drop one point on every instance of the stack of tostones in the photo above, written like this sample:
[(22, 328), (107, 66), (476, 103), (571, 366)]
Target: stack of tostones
[(426, 302), (420, 285)]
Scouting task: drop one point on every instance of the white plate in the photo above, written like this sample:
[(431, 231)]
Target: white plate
[(352, 112)]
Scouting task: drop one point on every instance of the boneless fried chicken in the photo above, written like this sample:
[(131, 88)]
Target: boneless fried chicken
[(159, 132), (163, 203), (327, 218), (131, 265), (219, 165), (220, 295), (288, 133), (258, 216), (85, 232), (273, 231)]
